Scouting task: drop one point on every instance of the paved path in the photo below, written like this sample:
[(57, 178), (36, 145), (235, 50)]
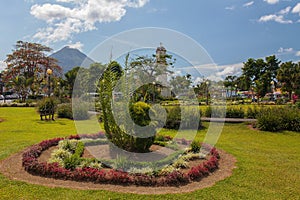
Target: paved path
[(233, 120)]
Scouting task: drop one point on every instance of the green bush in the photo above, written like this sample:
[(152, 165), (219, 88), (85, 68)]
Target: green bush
[(183, 117), (173, 117), (75, 159), (139, 112), (195, 146), (47, 106), (235, 112), (218, 112), (65, 111), (252, 112), (191, 119), (276, 119), (72, 162), (80, 111), (269, 120), (291, 119)]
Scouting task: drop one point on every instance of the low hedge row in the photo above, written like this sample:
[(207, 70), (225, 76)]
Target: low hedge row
[(189, 120), (278, 119), (53, 170), (18, 105)]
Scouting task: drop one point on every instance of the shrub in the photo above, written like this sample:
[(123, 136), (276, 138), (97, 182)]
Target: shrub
[(173, 117), (183, 117), (65, 111), (291, 119), (190, 118), (195, 146), (268, 120), (47, 106), (80, 111), (277, 119), (69, 145), (218, 112), (139, 112), (234, 112), (61, 154), (252, 112)]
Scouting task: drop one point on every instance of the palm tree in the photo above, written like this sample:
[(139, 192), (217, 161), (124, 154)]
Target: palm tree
[(22, 85)]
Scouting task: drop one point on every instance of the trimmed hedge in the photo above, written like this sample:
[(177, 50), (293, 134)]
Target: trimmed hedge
[(21, 105), (176, 120), (278, 119)]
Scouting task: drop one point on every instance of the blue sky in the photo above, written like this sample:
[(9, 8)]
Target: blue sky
[(231, 31)]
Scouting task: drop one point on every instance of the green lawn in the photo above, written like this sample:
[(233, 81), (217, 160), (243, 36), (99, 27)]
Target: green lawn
[(268, 164)]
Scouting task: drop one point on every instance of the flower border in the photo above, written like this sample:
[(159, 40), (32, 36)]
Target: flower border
[(53, 170)]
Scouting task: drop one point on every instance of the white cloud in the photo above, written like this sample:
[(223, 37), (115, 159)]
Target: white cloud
[(296, 9), (78, 16), (298, 53), (223, 71), (157, 10), (277, 18), (233, 69), (230, 8), (285, 50), (77, 45), (2, 65), (285, 11), (271, 1), (248, 4)]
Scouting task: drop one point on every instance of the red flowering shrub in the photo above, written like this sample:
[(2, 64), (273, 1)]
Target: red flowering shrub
[(176, 178), (53, 170)]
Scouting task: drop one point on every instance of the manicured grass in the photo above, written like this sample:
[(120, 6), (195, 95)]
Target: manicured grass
[(267, 168)]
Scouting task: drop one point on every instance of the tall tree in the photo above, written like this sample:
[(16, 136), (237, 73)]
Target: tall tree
[(148, 69), (289, 77), (71, 76), (94, 74), (261, 72), (29, 60), (181, 83)]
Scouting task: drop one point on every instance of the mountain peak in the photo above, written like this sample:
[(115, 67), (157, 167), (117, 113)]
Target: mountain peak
[(68, 58)]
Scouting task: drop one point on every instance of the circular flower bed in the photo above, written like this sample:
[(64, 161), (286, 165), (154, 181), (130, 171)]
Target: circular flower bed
[(32, 165)]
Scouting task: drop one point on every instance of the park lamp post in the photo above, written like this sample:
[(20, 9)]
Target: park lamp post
[(49, 73), (206, 92), (58, 85), (273, 89), (235, 91)]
